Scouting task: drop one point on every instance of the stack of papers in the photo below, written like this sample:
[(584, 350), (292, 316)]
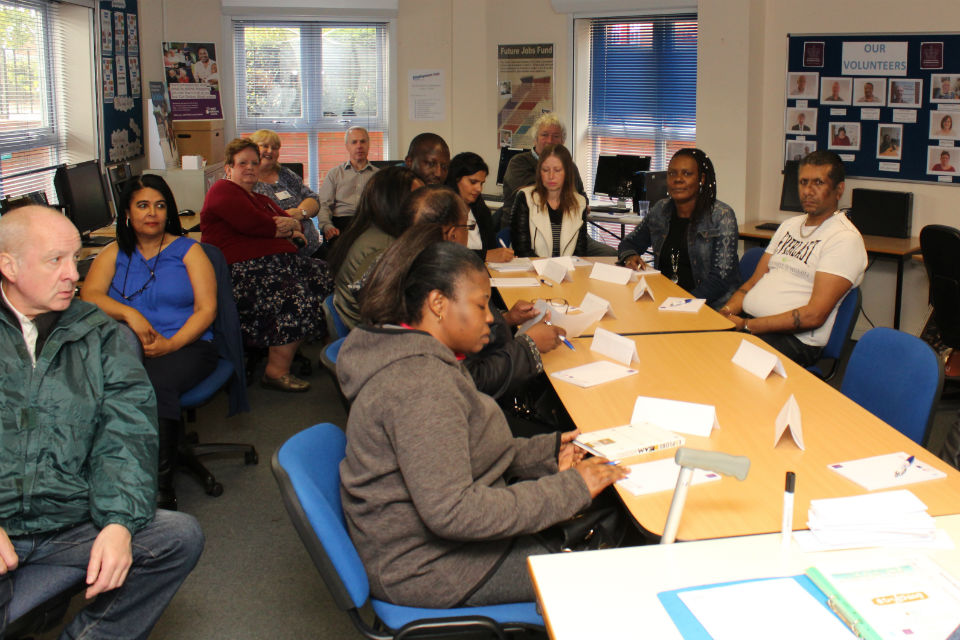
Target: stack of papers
[(590, 375), (517, 264), (877, 519), (502, 283)]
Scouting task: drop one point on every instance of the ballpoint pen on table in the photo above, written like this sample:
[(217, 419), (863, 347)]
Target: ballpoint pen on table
[(680, 303), (546, 282), (903, 468), (788, 491)]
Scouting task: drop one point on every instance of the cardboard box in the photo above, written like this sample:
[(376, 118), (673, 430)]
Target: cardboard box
[(200, 138)]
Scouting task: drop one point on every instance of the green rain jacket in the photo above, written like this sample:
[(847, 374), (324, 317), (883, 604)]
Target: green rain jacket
[(79, 430)]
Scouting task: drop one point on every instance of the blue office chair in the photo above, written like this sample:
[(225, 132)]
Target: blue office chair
[(840, 334), (748, 263), (504, 234), (228, 374), (328, 358), (335, 325), (896, 377), (307, 468)]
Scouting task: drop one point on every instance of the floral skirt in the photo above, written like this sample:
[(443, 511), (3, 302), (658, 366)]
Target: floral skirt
[(280, 298)]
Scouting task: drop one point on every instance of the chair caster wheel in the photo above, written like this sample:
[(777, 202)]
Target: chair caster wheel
[(214, 489), (251, 457)]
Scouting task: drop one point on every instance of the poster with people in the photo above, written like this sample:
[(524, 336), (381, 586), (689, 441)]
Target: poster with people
[(193, 80), (524, 91)]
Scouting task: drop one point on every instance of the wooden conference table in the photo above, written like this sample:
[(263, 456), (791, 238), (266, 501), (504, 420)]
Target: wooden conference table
[(632, 317), (697, 367), (898, 249), (613, 593)]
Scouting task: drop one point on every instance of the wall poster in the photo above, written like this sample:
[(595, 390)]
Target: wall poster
[(193, 80), (525, 91), (889, 105), (119, 73)]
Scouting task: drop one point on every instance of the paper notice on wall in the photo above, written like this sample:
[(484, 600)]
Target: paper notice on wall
[(426, 93)]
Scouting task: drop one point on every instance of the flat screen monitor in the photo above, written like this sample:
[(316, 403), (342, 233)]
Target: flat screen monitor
[(506, 153), (383, 164), (83, 197), (14, 202), (651, 186), (789, 193), (616, 174)]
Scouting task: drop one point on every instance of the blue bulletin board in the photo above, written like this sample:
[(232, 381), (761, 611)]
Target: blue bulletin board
[(120, 85), (888, 104)]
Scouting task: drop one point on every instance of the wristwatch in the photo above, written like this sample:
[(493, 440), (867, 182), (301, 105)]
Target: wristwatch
[(746, 327), (303, 212)]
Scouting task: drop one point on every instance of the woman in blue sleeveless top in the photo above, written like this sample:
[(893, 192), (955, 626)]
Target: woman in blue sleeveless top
[(161, 284)]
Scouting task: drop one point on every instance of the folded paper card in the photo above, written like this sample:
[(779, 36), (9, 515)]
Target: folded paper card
[(684, 305), (541, 307), (608, 343), (593, 302), (660, 475), (628, 440), (611, 273), (880, 472), (506, 283), (758, 360), (590, 375), (643, 289), (789, 419), (517, 264), (675, 415), (576, 323)]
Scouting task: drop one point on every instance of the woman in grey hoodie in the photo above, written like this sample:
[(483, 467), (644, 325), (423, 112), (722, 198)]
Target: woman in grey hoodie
[(440, 499)]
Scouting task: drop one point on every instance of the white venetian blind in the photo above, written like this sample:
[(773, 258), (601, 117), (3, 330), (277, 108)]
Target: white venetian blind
[(46, 115)]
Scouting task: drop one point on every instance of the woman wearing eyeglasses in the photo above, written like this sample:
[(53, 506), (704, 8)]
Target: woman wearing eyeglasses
[(161, 284)]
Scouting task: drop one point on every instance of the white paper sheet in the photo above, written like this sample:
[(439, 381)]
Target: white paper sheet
[(879, 472), (517, 264), (675, 415), (506, 283), (575, 323), (758, 360), (682, 305), (789, 419), (764, 609), (869, 507), (660, 475), (608, 343), (590, 375)]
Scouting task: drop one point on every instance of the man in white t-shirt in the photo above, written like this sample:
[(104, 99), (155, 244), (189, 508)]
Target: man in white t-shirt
[(812, 261)]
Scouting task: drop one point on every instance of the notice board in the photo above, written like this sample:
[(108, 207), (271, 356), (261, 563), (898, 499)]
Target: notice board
[(889, 105)]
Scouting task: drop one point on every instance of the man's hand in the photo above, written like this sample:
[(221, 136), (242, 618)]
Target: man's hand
[(570, 454), (110, 559), (500, 254), (331, 232), (635, 262), (8, 555), (519, 313)]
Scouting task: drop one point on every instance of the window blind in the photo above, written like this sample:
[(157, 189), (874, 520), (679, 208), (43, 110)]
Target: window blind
[(309, 82), (43, 44), (642, 88)]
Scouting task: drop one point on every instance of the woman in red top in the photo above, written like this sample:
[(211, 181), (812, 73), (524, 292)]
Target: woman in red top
[(278, 292)]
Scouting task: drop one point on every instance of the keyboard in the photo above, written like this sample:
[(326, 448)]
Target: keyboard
[(83, 266), (609, 209)]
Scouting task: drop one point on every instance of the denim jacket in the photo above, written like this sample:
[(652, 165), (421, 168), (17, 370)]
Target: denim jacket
[(712, 245)]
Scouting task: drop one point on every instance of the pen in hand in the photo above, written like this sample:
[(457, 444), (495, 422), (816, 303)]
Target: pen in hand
[(563, 338)]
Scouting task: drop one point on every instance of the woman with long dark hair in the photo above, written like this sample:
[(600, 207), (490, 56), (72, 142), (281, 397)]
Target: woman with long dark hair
[(466, 176), (549, 217), (440, 499), (693, 236), (161, 284)]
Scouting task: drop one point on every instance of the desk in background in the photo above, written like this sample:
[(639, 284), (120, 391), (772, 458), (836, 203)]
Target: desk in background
[(613, 593), (696, 367), (623, 219), (898, 249), (633, 317)]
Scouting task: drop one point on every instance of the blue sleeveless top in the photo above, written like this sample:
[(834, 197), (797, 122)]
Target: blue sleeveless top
[(159, 288)]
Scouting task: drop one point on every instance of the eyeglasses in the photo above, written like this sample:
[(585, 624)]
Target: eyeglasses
[(557, 304), (470, 226), (136, 293)]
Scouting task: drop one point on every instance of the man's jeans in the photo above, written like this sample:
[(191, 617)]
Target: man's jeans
[(790, 346), (164, 552)]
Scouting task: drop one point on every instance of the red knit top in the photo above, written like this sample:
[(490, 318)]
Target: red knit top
[(240, 223)]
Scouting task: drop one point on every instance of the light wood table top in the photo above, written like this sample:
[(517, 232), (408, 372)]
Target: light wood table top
[(613, 593), (632, 317), (697, 367), (900, 247)]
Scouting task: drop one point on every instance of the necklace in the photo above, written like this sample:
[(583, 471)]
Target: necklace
[(153, 275), (814, 230)]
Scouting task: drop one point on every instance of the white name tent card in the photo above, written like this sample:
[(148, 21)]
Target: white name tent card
[(880, 472), (576, 323), (675, 415), (592, 302), (611, 273), (660, 475), (684, 305), (590, 375), (617, 347), (506, 283), (789, 420), (758, 360), (541, 265), (643, 289), (556, 271)]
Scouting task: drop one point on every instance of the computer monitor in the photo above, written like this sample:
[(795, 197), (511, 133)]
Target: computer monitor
[(383, 164), (616, 174), (789, 193), (15, 202), (117, 176), (83, 197), (649, 186), (506, 153)]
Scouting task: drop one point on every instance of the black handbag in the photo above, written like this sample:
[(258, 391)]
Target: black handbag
[(603, 525)]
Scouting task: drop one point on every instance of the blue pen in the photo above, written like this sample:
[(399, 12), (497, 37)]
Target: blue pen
[(903, 468), (564, 338)]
